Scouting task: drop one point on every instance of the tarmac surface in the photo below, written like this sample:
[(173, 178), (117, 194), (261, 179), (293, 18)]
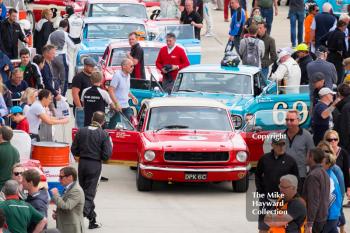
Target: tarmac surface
[(184, 208)]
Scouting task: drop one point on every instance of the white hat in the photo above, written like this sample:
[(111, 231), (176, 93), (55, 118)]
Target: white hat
[(325, 91), (282, 54)]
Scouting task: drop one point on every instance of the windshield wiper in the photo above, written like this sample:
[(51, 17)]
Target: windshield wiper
[(123, 15), (172, 127), (187, 90)]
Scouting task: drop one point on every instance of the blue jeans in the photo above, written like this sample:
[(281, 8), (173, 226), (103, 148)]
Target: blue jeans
[(267, 13), (331, 226), (294, 17)]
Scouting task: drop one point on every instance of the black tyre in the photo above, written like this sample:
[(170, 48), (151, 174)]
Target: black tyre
[(242, 185), (31, 19), (142, 183)]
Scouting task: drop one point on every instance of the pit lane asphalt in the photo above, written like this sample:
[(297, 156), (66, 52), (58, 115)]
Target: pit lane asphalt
[(200, 208)]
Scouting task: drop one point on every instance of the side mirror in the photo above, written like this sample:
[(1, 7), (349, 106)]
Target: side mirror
[(119, 126), (257, 129), (134, 121), (151, 36), (156, 90), (103, 63)]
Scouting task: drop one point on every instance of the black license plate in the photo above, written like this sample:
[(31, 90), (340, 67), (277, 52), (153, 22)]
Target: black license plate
[(196, 176)]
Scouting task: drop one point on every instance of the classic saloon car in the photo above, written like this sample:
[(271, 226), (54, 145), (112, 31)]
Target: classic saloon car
[(181, 139), (141, 88), (117, 8), (243, 90), (257, 108), (98, 32)]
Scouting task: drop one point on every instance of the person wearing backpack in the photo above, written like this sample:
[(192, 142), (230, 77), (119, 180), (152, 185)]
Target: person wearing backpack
[(252, 49), (236, 26)]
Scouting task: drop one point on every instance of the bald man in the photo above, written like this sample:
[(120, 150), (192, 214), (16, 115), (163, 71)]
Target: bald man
[(119, 91)]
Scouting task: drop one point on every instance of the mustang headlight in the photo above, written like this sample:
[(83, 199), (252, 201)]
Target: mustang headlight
[(237, 121), (149, 155), (241, 156)]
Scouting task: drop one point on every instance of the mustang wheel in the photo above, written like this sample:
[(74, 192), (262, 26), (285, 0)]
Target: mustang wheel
[(241, 186), (142, 183)]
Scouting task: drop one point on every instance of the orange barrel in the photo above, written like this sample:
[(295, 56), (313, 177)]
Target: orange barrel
[(51, 154)]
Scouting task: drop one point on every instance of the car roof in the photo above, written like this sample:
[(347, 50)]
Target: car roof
[(113, 19), (179, 101), (224, 69), (114, 1), (143, 44)]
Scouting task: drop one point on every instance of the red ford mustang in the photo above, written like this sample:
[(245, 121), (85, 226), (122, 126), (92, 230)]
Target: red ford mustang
[(181, 139)]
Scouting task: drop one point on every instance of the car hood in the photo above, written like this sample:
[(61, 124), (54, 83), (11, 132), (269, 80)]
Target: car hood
[(232, 101), (175, 140)]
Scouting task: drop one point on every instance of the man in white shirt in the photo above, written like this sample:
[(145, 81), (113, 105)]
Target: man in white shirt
[(288, 72), (75, 30), (119, 91), (63, 43), (37, 114)]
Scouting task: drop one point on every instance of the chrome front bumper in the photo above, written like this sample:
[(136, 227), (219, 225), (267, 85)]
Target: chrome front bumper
[(171, 169)]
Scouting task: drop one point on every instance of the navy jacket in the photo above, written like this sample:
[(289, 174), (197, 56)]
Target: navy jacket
[(48, 80), (4, 60), (16, 90)]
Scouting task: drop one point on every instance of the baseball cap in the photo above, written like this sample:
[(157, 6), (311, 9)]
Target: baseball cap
[(277, 138), (89, 62), (325, 91), (302, 47), (282, 54), (16, 109)]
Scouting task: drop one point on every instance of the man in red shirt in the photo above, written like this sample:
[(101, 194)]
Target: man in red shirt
[(171, 58), (20, 120)]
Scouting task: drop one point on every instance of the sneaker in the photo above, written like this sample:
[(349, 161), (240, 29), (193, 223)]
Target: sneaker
[(94, 225), (209, 34), (104, 179)]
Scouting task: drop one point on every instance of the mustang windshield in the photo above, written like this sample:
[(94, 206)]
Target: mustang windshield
[(150, 55), (113, 30), (182, 31), (118, 9), (214, 83), (198, 118)]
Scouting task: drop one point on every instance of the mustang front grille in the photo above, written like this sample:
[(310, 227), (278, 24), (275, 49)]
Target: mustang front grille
[(196, 156)]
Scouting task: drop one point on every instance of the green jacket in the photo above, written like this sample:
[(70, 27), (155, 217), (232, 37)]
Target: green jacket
[(9, 156)]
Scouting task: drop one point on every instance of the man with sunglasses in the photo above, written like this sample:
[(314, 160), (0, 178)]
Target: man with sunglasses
[(271, 167), (299, 142), (69, 212), (9, 155), (119, 91)]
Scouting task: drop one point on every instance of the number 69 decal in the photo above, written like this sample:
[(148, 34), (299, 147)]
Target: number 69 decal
[(280, 111)]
